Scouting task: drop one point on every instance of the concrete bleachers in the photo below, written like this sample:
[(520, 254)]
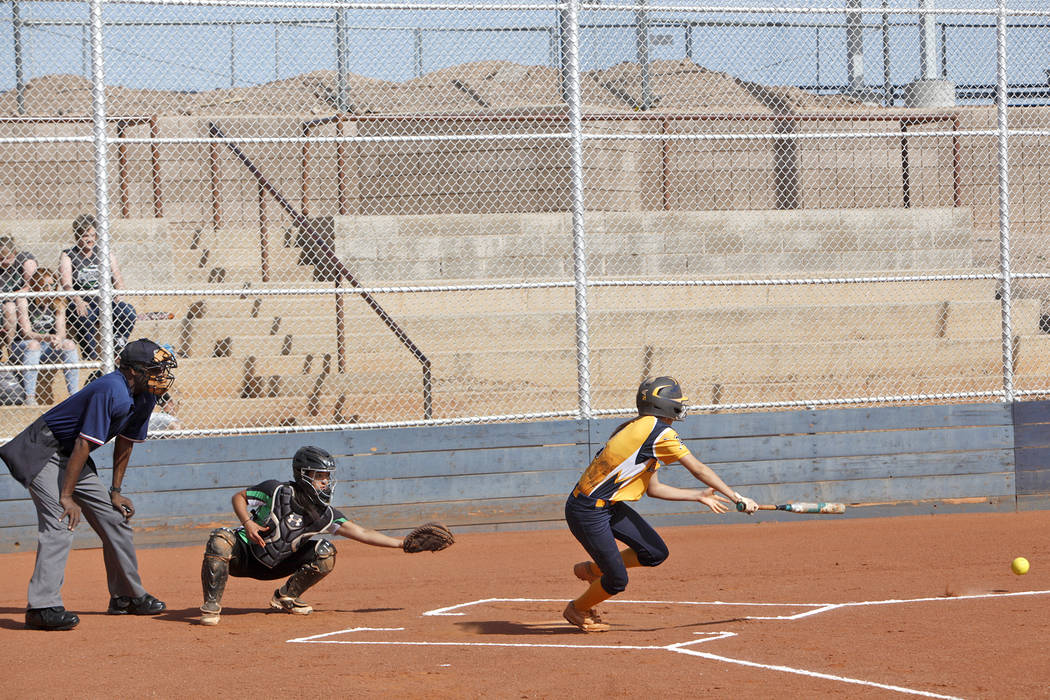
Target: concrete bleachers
[(248, 358)]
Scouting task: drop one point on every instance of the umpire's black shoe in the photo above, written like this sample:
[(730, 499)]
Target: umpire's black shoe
[(56, 618), (145, 604)]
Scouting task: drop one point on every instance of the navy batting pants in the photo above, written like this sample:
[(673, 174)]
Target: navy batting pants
[(598, 529)]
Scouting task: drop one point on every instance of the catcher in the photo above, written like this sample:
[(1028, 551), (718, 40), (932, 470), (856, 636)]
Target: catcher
[(280, 536)]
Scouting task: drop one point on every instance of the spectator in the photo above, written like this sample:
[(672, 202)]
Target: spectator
[(15, 270), (41, 335), (79, 271)]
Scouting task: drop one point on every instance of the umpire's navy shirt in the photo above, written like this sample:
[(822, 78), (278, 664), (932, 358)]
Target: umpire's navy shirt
[(99, 412)]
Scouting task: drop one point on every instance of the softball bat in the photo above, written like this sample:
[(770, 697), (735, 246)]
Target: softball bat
[(820, 508)]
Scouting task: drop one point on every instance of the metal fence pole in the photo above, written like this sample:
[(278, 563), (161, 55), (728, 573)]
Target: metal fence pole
[(854, 48), (563, 49), (928, 66), (233, 55), (571, 56), (417, 52), (641, 37), (342, 88), (20, 80), (1004, 201), (101, 141), (887, 81)]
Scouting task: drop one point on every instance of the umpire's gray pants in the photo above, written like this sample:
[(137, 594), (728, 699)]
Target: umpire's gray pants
[(55, 539)]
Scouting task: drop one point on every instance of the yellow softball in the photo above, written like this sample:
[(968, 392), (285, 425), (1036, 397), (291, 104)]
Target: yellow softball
[(1019, 566)]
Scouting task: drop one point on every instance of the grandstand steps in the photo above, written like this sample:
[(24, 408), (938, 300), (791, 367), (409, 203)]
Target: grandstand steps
[(705, 365), (281, 261), (467, 331), (239, 272), (561, 299)]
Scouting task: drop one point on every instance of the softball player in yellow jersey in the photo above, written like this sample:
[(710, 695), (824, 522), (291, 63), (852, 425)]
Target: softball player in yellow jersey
[(623, 470)]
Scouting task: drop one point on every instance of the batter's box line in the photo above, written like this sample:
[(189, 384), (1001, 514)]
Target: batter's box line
[(812, 608), (447, 611), (678, 648), (326, 638)]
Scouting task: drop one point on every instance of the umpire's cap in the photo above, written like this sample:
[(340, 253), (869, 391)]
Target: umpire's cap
[(157, 361)]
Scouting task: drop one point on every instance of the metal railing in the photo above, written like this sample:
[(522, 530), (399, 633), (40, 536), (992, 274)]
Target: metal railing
[(121, 125), (327, 257)]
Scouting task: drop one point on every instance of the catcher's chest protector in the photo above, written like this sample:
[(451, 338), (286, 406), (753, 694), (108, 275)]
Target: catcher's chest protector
[(287, 528)]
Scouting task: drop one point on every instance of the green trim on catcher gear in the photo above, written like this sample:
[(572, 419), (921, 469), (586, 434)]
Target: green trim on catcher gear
[(261, 512)]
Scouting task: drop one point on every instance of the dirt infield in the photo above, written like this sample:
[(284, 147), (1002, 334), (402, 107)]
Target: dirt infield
[(911, 606)]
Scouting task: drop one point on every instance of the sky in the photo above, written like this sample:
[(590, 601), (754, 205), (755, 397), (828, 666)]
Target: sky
[(244, 46)]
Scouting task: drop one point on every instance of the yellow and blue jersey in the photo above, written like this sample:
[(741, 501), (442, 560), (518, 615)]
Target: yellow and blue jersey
[(623, 467)]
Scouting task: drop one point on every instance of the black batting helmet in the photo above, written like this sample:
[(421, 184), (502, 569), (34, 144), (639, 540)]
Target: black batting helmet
[(314, 459), (661, 397)]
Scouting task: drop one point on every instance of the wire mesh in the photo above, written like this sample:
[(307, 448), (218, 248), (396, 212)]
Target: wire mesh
[(359, 214)]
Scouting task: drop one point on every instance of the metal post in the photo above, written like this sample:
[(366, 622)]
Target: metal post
[(928, 67), (342, 88), (20, 80), (571, 75), (233, 56), (1004, 202), (641, 39), (101, 141), (854, 49), (563, 50), (887, 80), (818, 56), (264, 237), (689, 42), (417, 52), (944, 51)]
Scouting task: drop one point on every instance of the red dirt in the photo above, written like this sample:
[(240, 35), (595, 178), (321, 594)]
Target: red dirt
[(991, 647)]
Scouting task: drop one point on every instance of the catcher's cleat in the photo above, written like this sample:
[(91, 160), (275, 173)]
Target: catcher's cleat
[(585, 571), (145, 604), (584, 621), (209, 616), (289, 604)]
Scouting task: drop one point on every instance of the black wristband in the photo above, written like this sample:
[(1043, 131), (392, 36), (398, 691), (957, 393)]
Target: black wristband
[(114, 489)]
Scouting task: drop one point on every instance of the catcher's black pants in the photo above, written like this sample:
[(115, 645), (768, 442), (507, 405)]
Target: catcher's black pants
[(243, 563)]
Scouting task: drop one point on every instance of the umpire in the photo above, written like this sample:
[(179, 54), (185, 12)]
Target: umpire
[(52, 458)]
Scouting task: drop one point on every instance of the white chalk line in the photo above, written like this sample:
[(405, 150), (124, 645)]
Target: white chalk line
[(679, 647), (615, 601), (315, 637), (896, 601)]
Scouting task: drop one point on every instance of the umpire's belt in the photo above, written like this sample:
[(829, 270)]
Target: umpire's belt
[(587, 500)]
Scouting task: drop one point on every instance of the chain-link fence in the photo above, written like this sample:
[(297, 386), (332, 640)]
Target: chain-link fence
[(342, 214)]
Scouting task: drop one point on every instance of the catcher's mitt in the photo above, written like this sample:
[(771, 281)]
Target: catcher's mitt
[(429, 537)]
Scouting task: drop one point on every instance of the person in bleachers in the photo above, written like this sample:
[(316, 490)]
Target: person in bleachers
[(79, 270), (16, 267), (41, 335)]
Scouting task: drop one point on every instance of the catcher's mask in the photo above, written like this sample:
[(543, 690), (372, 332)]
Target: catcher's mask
[(153, 362), (661, 397), (313, 459)]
